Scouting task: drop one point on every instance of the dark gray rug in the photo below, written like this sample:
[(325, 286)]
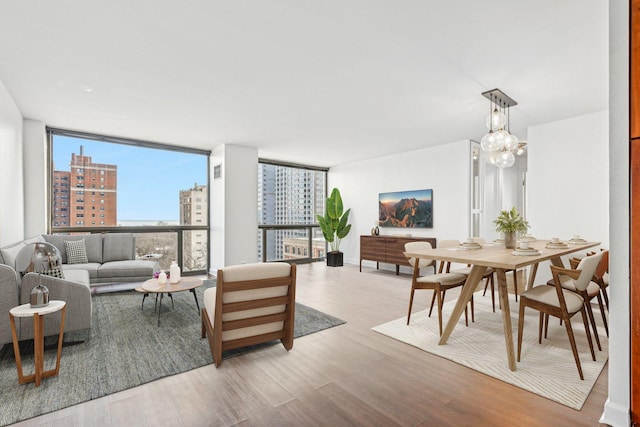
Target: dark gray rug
[(125, 348)]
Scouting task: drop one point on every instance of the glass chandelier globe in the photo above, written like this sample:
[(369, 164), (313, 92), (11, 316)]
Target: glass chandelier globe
[(493, 157), (510, 142), (495, 120), (489, 142), (501, 136), (505, 159)]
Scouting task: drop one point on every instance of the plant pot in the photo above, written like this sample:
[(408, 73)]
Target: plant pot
[(510, 239), (334, 259)]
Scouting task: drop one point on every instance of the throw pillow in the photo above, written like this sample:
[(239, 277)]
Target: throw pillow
[(76, 252), (55, 272)]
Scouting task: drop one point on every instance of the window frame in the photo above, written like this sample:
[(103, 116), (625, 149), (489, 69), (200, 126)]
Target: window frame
[(79, 226)]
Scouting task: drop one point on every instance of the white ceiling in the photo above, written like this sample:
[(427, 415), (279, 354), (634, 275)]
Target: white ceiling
[(314, 82)]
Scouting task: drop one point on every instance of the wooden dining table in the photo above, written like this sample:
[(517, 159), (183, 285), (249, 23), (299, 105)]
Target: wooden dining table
[(495, 255)]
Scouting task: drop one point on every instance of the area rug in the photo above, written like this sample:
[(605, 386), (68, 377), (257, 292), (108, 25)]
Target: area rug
[(546, 369), (125, 348)]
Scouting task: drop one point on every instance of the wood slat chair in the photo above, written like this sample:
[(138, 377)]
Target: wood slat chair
[(439, 283), (561, 303), (251, 304)]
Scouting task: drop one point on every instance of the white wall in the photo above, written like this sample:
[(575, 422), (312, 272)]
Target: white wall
[(11, 184), (616, 410), (568, 180), (234, 207), (444, 168), (35, 177), (569, 174)]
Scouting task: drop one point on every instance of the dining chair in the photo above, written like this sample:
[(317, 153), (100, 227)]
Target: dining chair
[(439, 283), (592, 291), (560, 302), (601, 277)]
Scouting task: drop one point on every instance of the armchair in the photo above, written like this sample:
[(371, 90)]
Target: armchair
[(251, 304)]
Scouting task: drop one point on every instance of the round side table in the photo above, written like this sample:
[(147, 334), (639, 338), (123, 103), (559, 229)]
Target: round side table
[(38, 313)]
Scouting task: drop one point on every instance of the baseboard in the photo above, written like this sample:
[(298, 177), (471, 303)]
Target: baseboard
[(615, 415)]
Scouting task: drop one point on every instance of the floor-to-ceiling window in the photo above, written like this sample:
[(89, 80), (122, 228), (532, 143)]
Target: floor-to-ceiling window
[(289, 198), (158, 192)]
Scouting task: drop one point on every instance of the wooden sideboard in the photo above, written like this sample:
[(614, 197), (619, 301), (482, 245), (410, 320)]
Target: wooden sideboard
[(389, 249)]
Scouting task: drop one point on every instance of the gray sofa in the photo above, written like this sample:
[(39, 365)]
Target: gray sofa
[(111, 259)]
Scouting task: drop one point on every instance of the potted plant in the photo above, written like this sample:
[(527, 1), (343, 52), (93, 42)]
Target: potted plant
[(511, 223), (334, 227)]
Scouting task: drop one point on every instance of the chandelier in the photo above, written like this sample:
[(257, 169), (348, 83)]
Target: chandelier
[(500, 143)]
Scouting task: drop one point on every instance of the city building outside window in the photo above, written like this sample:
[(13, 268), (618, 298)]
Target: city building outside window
[(133, 194)]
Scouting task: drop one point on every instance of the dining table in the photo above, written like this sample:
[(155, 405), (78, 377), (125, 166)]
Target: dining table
[(501, 259)]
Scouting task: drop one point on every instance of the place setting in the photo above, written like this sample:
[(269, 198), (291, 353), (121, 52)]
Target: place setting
[(524, 250), (555, 243), (469, 244), (577, 240)]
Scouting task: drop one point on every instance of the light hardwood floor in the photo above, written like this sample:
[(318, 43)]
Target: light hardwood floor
[(347, 375)]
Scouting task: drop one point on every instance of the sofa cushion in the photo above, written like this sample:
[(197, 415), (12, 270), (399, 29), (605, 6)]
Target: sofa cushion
[(9, 254), (76, 252), (92, 243), (77, 276), (118, 247), (91, 268), (129, 268), (55, 272)]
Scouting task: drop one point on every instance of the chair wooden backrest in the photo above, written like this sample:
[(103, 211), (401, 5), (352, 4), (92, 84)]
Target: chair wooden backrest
[(253, 303)]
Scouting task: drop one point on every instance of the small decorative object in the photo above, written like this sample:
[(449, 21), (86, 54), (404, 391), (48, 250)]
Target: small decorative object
[(43, 258), (511, 223), (162, 277), (377, 231), (334, 227), (174, 271)]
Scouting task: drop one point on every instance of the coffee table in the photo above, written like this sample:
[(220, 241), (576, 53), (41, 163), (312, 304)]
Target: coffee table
[(185, 284)]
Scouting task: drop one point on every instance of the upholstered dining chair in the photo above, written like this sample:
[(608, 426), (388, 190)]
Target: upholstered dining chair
[(601, 277), (251, 304), (592, 291), (439, 283), (561, 303)]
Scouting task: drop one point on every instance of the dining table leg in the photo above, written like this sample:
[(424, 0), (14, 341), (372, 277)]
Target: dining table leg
[(532, 275), (557, 262), (506, 317), (474, 277)]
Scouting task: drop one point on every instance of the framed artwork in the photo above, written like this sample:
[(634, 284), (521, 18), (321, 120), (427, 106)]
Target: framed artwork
[(406, 209)]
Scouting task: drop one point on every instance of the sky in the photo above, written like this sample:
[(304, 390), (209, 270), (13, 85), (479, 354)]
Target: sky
[(399, 195), (149, 180)]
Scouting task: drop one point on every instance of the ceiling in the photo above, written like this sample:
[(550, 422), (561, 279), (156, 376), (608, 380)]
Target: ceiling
[(314, 82)]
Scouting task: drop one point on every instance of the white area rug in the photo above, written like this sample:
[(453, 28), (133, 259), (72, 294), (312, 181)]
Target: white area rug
[(546, 369)]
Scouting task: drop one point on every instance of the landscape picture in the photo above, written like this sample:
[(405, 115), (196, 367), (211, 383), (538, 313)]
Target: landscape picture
[(406, 209)]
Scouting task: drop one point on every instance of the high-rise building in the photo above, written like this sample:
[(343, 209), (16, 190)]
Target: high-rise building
[(86, 196), (61, 192), (286, 196), (194, 208)]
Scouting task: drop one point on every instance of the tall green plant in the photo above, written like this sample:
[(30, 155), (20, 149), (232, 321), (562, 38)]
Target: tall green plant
[(511, 221), (334, 222)]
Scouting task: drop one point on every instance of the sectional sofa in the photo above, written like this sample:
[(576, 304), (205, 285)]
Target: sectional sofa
[(110, 258)]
